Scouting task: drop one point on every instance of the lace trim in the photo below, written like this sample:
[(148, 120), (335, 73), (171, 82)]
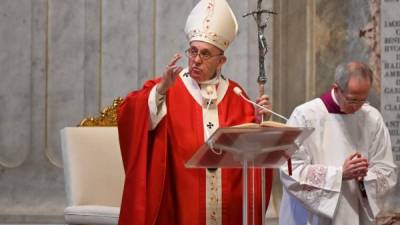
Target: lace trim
[(315, 197), (382, 184), (316, 175), (315, 179)]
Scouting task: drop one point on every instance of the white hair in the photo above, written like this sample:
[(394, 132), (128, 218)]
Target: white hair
[(345, 71)]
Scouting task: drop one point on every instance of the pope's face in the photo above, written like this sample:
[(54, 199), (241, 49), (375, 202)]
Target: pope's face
[(204, 60)]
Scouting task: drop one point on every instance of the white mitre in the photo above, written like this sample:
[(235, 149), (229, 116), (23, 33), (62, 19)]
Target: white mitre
[(212, 21)]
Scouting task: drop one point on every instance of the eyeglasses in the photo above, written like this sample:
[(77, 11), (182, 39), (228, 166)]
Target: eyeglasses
[(346, 100), (204, 55)]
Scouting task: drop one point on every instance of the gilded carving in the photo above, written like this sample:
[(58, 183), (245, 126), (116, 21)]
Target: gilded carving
[(108, 117)]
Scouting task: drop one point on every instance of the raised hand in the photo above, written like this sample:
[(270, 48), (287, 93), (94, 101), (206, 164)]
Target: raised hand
[(169, 76)]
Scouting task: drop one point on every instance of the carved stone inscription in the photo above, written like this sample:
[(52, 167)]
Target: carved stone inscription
[(390, 89)]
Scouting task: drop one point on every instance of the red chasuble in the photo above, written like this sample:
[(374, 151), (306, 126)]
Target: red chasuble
[(159, 189)]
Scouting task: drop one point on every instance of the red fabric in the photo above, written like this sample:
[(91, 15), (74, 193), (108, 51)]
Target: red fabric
[(158, 188)]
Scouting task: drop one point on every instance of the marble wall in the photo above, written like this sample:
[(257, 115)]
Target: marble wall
[(64, 60), (340, 37), (390, 84), (310, 38)]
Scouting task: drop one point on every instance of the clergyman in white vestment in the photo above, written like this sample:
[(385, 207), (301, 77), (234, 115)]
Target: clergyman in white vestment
[(343, 170)]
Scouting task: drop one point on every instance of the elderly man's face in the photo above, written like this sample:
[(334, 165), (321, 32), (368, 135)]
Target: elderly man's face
[(204, 60), (351, 99)]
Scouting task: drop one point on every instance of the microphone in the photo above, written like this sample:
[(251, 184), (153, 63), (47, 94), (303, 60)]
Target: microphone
[(238, 92), (209, 90)]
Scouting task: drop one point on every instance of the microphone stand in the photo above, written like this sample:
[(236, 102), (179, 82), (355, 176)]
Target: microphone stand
[(261, 80)]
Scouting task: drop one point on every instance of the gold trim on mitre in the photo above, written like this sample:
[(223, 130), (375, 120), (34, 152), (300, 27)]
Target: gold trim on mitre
[(212, 21), (108, 117)]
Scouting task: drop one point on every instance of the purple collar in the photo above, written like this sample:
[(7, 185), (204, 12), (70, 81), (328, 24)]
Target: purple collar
[(330, 104)]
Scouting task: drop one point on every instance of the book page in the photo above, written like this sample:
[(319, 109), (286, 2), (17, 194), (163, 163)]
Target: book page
[(268, 123), (247, 125), (271, 123)]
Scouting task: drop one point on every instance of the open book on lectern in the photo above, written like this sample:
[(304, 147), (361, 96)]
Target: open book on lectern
[(266, 145)]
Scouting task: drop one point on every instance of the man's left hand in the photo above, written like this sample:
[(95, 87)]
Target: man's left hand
[(263, 101)]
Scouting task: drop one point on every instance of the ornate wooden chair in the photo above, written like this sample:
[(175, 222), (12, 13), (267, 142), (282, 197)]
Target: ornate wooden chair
[(93, 170)]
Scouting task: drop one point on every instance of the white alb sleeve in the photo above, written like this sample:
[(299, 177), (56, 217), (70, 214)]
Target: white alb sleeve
[(317, 186), (157, 107)]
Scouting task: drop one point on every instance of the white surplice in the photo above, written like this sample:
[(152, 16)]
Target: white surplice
[(316, 193)]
